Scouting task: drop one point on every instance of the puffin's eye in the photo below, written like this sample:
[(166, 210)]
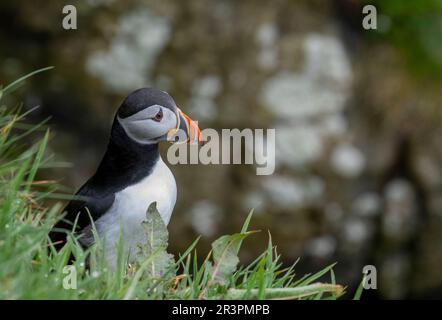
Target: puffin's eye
[(158, 116)]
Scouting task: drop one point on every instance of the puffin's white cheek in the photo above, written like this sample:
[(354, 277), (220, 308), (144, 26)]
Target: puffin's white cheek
[(148, 129), (170, 120)]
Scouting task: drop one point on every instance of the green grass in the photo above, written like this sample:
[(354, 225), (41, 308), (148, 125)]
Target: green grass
[(30, 268)]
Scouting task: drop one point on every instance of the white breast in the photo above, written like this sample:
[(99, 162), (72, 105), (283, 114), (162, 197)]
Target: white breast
[(129, 211)]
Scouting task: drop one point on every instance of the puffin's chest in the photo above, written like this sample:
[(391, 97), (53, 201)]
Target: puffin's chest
[(130, 205), (132, 202)]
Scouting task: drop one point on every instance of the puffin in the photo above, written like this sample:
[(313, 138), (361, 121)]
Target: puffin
[(130, 176)]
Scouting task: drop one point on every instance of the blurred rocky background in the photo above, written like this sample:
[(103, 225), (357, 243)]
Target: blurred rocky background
[(357, 115)]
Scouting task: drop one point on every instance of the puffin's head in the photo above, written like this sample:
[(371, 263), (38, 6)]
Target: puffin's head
[(149, 116)]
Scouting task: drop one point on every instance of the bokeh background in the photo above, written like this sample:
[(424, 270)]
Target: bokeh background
[(357, 114)]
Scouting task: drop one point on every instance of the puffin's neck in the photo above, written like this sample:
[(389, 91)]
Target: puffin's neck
[(125, 162)]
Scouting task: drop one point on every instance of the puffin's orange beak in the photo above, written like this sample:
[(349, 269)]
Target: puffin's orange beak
[(190, 128), (193, 131)]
